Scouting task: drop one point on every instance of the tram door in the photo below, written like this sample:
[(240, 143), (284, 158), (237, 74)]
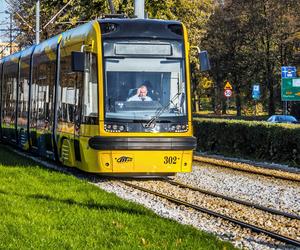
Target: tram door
[(69, 108), (41, 117), (78, 114), (23, 103), (86, 100)]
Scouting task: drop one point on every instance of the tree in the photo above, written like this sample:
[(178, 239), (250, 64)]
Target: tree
[(248, 44)]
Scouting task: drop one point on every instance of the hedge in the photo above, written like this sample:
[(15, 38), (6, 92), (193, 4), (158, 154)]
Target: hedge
[(249, 139)]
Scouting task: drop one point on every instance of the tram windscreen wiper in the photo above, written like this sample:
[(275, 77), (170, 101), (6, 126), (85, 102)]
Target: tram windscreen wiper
[(162, 109)]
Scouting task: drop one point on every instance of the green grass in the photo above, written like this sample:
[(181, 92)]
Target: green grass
[(44, 209)]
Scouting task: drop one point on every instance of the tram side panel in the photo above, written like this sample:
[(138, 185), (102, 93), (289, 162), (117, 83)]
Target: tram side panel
[(42, 98), (23, 99), (68, 109), (89, 123), (9, 99), (78, 100), (1, 80)]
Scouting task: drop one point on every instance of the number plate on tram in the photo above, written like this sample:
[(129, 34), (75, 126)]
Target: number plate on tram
[(171, 160)]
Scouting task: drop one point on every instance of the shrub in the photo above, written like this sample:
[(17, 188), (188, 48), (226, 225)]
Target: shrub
[(249, 139)]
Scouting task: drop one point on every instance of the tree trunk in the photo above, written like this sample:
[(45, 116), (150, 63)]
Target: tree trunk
[(268, 66), (238, 101), (196, 102), (237, 96), (224, 106), (271, 96)]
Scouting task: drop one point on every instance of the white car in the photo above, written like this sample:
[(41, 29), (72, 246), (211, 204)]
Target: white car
[(282, 119)]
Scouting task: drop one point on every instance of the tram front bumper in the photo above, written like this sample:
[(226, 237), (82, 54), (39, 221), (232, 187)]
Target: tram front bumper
[(146, 162), (143, 143), (144, 155)]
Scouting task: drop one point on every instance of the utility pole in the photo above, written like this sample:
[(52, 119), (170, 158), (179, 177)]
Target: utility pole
[(37, 22), (10, 32), (111, 7), (139, 9)]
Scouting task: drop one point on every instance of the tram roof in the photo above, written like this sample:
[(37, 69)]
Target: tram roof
[(137, 20), (142, 28), (128, 28)]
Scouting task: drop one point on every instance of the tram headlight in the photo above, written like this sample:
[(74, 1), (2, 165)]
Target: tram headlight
[(178, 128), (114, 128)]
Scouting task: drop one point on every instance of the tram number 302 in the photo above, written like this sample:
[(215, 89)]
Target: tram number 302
[(170, 160)]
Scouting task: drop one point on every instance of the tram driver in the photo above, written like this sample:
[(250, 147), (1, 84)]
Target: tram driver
[(141, 95)]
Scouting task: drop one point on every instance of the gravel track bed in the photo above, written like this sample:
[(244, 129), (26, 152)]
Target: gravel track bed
[(275, 223), (219, 180), (271, 192), (240, 237)]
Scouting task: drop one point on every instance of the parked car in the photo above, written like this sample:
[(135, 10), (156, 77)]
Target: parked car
[(282, 119)]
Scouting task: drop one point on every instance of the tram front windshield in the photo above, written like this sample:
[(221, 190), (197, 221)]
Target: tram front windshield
[(140, 88)]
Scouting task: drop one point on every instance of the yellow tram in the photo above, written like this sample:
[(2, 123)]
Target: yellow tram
[(111, 96)]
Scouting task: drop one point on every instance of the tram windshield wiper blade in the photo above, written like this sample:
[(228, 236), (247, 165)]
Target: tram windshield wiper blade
[(161, 110)]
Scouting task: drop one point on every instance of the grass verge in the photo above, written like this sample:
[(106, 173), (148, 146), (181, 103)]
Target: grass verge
[(44, 209)]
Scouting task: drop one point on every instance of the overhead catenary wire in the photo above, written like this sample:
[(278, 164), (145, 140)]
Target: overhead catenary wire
[(57, 14), (19, 15)]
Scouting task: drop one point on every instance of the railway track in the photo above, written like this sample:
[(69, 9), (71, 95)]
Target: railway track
[(246, 167), (249, 204), (241, 223)]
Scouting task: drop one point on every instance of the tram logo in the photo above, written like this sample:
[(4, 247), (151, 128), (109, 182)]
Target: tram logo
[(124, 159), (149, 126)]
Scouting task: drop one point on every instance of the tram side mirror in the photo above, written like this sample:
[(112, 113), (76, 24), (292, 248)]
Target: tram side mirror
[(204, 61), (78, 61)]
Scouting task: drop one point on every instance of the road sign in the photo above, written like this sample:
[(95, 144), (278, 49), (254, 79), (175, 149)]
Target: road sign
[(290, 89), (288, 72), (256, 91), (228, 85), (228, 93)]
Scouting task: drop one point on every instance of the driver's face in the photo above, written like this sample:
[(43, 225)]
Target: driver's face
[(143, 92)]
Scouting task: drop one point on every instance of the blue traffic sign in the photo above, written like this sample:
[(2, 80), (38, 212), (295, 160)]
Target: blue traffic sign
[(256, 91), (288, 72)]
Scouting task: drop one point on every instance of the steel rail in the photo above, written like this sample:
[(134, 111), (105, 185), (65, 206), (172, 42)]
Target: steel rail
[(246, 203), (215, 214), (252, 171)]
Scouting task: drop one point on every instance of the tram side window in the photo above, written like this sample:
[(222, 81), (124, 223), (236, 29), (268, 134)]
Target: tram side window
[(41, 96), (90, 88), (10, 97), (23, 95), (6, 89), (45, 94), (1, 90), (68, 92), (34, 98)]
